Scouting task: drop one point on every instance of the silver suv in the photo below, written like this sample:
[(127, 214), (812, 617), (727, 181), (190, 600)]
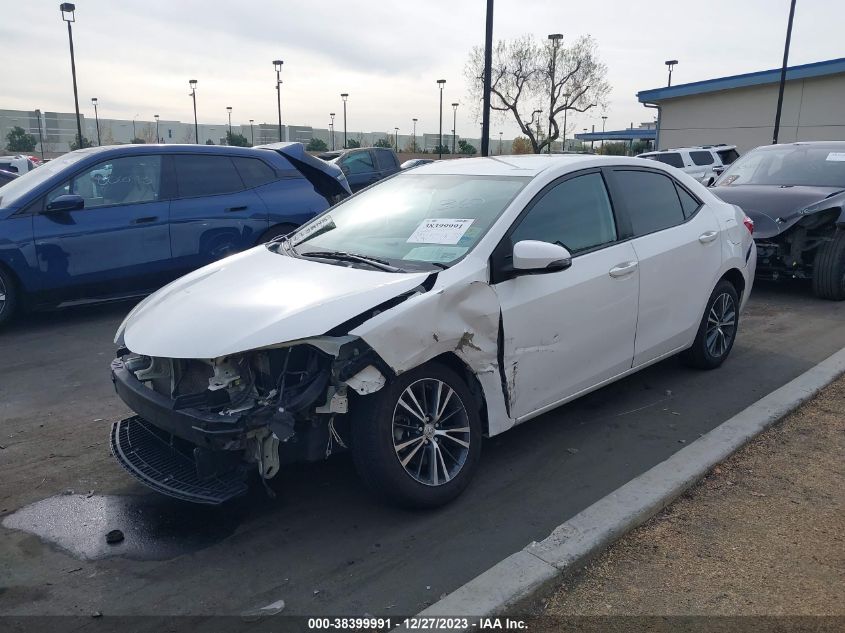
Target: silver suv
[(704, 162)]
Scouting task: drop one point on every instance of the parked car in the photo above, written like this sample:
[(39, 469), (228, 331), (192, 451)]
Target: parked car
[(120, 221), (17, 164), (795, 193), (6, 177), (452, 301), (704, 162), (415, 162), (364, 166)]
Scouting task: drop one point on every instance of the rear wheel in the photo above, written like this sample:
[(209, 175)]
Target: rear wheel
[(276, 231), (417, 441), (717, 330), (829, 269), (8, 297)]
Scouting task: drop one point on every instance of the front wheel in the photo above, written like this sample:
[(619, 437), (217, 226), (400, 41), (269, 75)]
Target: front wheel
[(829, 269), (717, 330), (417, 441)]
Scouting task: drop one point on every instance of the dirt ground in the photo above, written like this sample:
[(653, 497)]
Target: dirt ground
[(762, 535)]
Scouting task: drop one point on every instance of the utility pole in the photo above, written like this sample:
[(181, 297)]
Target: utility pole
[(488, 70), (782, 72), (68, 15)]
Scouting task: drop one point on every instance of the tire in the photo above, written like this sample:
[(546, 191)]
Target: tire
[(276, 231), (8, 297), (829, 269), (383, 424), (717, 330)]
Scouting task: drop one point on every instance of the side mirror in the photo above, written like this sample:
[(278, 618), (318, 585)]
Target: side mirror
[(67, 202), (531, 256)]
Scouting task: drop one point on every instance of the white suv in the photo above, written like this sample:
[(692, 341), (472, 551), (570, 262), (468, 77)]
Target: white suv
[(16, 164), (704, 162)]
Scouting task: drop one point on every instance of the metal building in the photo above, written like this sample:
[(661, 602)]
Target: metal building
[(740, 110)]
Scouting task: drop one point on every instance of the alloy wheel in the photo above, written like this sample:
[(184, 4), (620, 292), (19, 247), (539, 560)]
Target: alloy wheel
[(721, 325), (431, 432)]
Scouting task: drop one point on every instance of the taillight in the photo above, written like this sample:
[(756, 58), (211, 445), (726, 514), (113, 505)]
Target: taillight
[(749, 224)]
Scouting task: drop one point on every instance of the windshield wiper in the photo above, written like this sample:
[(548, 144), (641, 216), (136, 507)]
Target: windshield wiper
[(354, 257)]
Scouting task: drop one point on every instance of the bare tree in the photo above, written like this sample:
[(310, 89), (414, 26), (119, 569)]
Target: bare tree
[(147, 133), (528, 75)]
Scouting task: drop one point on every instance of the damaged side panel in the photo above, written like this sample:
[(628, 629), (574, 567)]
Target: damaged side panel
[(461, 320)]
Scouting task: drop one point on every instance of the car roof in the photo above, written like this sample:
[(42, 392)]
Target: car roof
[(167, 148), (520, 165)]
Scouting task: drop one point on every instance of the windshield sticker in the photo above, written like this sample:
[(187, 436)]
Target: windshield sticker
[(440, 231), (321, 225), (836, 157), (443, 254)]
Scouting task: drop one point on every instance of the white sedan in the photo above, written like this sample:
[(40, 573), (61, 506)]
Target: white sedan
[(449, 302)]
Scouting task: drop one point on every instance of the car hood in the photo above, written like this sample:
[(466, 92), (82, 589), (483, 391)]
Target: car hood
[(774, 208), (254, 299)]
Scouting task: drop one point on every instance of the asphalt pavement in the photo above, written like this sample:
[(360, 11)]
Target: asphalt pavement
[(323, 545)]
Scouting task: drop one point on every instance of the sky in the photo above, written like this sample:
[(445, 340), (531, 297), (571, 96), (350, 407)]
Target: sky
[(137, 56)]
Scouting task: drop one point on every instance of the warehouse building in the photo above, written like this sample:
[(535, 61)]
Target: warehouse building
[(740, 110)]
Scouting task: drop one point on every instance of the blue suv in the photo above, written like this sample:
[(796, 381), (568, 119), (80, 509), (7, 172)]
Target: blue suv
[(120, 221)]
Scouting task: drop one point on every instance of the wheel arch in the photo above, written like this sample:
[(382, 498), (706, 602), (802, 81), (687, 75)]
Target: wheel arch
[(735, 277), (453, 362)]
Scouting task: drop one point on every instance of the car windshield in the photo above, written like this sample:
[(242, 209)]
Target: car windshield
[(412, 220), (11, 194), (800, 165)]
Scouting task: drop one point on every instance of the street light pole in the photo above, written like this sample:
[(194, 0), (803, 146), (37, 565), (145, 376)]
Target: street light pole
[(68, 15), (533, 116), (441, 83), (229, 110), (96, 119), (277, 64), (603, 121), (193, 84), (565, 96), (252, 132), (500, 143), (40, 136), (555, 39), (344, 96), (331, 126), (414, 144), (396, 139), (454, 124), (670, 63), (782, 72), (158, 138)]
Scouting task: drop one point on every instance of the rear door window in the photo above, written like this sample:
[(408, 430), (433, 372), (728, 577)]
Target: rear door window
[(728, 155), (670, 158), (651, 199), (205, 175), (386, 159), (702, 158), (358, 163), (253, 171)]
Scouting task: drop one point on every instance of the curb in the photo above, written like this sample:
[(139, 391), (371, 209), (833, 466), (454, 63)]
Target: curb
[(573, 543)]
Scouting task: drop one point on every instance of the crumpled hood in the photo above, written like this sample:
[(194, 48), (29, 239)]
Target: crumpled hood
[(772, 207), (254, 299)]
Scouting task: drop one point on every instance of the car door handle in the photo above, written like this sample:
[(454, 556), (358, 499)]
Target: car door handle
[(146, 220), (623, 269), (242, 207), (709, 236)]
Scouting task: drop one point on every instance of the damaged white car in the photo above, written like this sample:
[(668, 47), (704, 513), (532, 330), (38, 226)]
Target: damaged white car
[(445, 304)]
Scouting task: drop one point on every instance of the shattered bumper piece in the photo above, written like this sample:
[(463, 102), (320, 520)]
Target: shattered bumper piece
[(146, 455)]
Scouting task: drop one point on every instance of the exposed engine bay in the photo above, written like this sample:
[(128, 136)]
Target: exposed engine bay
[(261, 408)]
